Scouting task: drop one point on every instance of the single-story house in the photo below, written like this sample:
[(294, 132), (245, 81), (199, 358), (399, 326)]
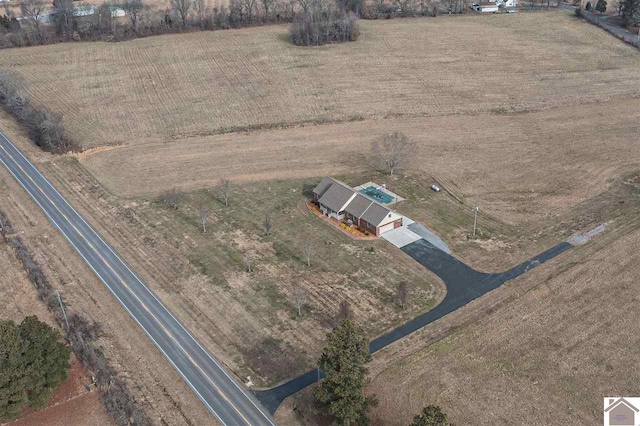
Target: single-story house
[(341, 202)]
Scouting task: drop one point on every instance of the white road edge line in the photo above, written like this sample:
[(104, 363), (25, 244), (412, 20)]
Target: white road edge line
[(114, 294), (139, 280)]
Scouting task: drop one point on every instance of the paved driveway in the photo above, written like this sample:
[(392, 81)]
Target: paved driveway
[(401, 237), (463, 283)]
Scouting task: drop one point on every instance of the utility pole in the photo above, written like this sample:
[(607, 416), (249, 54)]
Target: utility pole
[(63, 311), (475, 220)]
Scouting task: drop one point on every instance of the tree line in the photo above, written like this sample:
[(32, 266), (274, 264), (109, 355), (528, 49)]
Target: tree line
[(314, 22), (81, 334), (44, 126), (630, 11)]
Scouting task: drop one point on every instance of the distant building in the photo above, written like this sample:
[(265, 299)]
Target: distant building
[(489, 7)]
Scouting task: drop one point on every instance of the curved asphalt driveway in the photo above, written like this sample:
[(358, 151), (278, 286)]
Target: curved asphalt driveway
[(463, 283), (227, 400)]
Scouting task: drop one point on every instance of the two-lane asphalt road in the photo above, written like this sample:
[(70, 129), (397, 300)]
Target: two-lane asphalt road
[(229, 402)]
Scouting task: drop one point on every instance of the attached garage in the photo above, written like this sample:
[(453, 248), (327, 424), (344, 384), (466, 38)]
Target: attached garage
[(387, 227)]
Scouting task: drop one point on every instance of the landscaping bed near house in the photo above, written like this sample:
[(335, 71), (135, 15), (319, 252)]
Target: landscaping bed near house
[(352, 230)]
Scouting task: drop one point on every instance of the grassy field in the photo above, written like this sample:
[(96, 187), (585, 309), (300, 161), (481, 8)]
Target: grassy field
[(549, 357), (261, 311), (571, 84), (155, 90)]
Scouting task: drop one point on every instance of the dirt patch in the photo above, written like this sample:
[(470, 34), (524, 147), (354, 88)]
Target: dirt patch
[(75, 402), (84, 409)]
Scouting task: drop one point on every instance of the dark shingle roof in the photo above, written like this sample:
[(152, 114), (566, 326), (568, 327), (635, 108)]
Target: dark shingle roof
[(375, 214), (358, 205), (336, 196), (323, 186)]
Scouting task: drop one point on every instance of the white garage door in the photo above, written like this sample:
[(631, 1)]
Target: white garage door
[(387, 227)]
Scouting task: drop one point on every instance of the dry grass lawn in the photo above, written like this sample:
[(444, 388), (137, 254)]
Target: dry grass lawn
[(549, 357), (18, 295)]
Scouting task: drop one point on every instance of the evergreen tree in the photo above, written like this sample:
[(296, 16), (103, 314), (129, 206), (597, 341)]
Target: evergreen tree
[(32, 362), (431, 416), (601, 6), (4, 22), (630, 10), (341, 394)]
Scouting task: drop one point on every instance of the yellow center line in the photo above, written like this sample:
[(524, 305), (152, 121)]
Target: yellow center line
[(144, 306)]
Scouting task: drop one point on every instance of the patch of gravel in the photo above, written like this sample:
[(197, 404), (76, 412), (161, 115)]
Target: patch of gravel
[(579, 239)]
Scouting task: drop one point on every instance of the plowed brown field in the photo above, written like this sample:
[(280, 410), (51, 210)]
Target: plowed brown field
[(448, 83)]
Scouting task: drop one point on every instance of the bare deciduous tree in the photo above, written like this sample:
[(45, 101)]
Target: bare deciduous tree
[(248, 261), (171, 198), (402, 292), (32, 12), (133, 8), (299, 296), (307, 251), (248, 9), (63, 12), (200, 7), (267, 223), (393, 151), (203, 215), (267, 5), (345, 311), (304, 4), (223, 187), (182, 8)]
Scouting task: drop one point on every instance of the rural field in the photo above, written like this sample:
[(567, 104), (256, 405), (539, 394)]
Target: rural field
[(533, 117), (535, 91), (549, 356)]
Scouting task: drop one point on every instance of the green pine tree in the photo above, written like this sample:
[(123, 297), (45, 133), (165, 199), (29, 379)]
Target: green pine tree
[(32, 363), (431, 416), (341, 394), (601, 6), (630, 10)]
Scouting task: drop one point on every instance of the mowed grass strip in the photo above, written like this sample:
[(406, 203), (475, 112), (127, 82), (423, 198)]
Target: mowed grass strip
[(172, 87)]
